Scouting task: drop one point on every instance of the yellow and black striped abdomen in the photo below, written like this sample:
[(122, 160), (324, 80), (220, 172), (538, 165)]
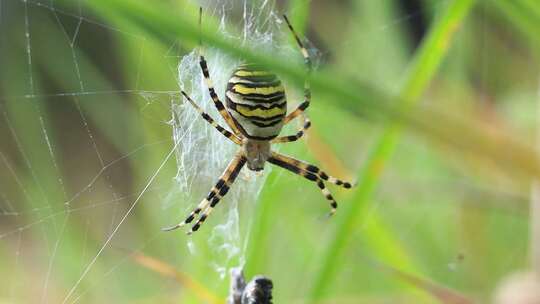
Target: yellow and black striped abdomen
[(256, 100)]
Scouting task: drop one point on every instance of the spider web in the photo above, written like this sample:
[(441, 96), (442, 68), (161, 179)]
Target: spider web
[(51, 194), (197, 140), (191, 141)]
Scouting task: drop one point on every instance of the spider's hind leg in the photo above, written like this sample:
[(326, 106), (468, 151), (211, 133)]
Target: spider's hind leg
[(215, 195), (311, 173), (227, 180)]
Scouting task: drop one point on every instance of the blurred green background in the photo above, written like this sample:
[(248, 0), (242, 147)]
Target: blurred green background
[(431, 105)]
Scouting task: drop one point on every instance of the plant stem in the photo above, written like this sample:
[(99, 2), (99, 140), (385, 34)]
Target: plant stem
[(421, 71), (535, 206)]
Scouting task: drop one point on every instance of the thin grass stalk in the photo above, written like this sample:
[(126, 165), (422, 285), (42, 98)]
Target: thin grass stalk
[(258, 246), (360, 99), (522, 16), (422, 70), (166, 270), (535, 206)]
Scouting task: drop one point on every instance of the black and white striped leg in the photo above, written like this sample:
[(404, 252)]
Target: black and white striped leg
[(219, 105), (307, 90), (231, 173), (218, 191), (297, 112), (204, 67), (297, 136), (320, 173), (289, 163), (211, 121), (324, 176)]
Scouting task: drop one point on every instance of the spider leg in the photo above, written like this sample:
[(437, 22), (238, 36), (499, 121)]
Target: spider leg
[(297, 136), (218, 191), (324, 176), (307, 90), (303, 169), (219, 105), (227, 180), (315, 170), (211, 121), (217, 102)]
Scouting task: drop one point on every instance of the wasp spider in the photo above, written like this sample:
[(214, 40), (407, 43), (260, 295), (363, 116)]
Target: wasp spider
[(256, 112)]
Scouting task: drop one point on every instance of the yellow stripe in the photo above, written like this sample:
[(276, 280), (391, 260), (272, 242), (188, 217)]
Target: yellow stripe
[(263, 90), (263, 113), (242, 73)]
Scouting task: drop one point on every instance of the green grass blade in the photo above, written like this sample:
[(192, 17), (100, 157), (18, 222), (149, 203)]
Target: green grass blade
[(258, 238), (422, 70), (359, 99), (524, 15)]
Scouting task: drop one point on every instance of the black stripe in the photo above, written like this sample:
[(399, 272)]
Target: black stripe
[(284, 165), (260, 97), (292, 168), (204, 68), (246, 134), (303, 106), (291, 138), (199, 222), (219, 105), (260, 122), (260, 78), (259, 119), (236, 170), (220, 183), (215, 201), (261, 137), (231, 103), (212, 194), (207, 117), (223, 190), (262, 125), (314, 169), (272, 100), (190, 218), (310, 176), (256, 84)]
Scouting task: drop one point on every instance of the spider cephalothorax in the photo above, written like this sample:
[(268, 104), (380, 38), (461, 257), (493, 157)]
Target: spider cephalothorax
[(257, 152), (256, 112)]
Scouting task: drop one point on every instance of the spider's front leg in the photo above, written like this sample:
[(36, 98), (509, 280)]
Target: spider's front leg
[(212, 122), (216, 194), (307, 90), (206, 73)]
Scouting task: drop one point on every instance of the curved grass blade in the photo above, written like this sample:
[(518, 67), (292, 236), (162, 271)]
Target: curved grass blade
[(422, 70), (359, 99), (167, 270)]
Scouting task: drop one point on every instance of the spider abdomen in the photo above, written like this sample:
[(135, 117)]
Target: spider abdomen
[(256, 101)]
